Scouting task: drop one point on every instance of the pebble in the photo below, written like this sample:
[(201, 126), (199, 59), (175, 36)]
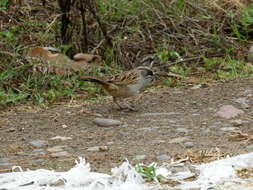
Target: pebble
[(196, 87), (61, 138), (158, 141), (60, 154), (228, 112), (98, 149), (248, 93), (182, 130), (110, 143), (219, 124), (163, 157), (249, 148), (205, 132), (237, 122), (179, 140), (37, 152), (188, 144), (103, 122), (56, 149), (5, 162), (38, 143), (140, 157), (228, 129), (216, 124), (11, 129), (40, 161), (148, 129), (243, 102), (158, 114)]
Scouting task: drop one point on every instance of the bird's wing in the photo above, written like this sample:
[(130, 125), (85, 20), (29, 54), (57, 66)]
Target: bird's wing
[(125, 78)]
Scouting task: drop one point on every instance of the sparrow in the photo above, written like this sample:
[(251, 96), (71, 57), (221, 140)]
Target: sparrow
[(125, 84)]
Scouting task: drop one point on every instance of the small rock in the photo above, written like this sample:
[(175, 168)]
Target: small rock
[(37, 152), (98, 149), (205, 132), (179, 140), (163, 157), (61, 138), (219, 124), (158, 114), (148, 129), (237, 122), (103, 122), (182, 130), (140, 157), (60, 154), (172, 121), (228, 112), (243, 102), (124, 126), (216, 124), (188, 144), (5, 162), (11, 129), (249, 148), (228, 129), (110, 143), (56, 149), (38, 143), (64, 126), (248, 93), (196, 87), (40, 161), (93, 149), (157, 141)]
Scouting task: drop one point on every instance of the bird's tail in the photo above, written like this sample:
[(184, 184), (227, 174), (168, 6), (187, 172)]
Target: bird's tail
[(93, 79)]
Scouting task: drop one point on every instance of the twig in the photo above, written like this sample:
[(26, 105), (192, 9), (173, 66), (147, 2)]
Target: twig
[(85, 33), (181, 61), (8, 53), (54, 20), (99, 44), (102, 27)]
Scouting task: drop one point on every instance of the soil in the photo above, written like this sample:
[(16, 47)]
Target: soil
[(170, 121)]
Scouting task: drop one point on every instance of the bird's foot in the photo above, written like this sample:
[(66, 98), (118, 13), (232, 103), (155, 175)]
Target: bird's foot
[(128, 108)]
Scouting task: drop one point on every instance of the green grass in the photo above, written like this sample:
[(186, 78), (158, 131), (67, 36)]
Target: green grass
[(22, 85)]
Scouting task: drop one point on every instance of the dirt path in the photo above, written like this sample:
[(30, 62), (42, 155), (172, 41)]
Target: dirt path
[(170, 122)]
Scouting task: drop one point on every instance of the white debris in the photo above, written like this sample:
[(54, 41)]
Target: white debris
[(220, 174)]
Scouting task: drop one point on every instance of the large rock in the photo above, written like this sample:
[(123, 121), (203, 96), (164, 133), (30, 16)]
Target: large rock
[(228, 112), (103, 122)]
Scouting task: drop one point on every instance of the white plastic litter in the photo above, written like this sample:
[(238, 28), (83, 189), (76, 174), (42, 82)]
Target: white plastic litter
[(219, 175)]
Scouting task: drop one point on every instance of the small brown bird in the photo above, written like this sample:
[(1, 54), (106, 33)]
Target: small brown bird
[(125, 84)]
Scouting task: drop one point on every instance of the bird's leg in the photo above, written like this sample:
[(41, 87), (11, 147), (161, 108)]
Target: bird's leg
[(130, 108), (127, 107), (115, 100)]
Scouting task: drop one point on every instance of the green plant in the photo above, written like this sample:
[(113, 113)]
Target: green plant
[(3, 4), (148, 172), (247, 18), (7, 36)]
